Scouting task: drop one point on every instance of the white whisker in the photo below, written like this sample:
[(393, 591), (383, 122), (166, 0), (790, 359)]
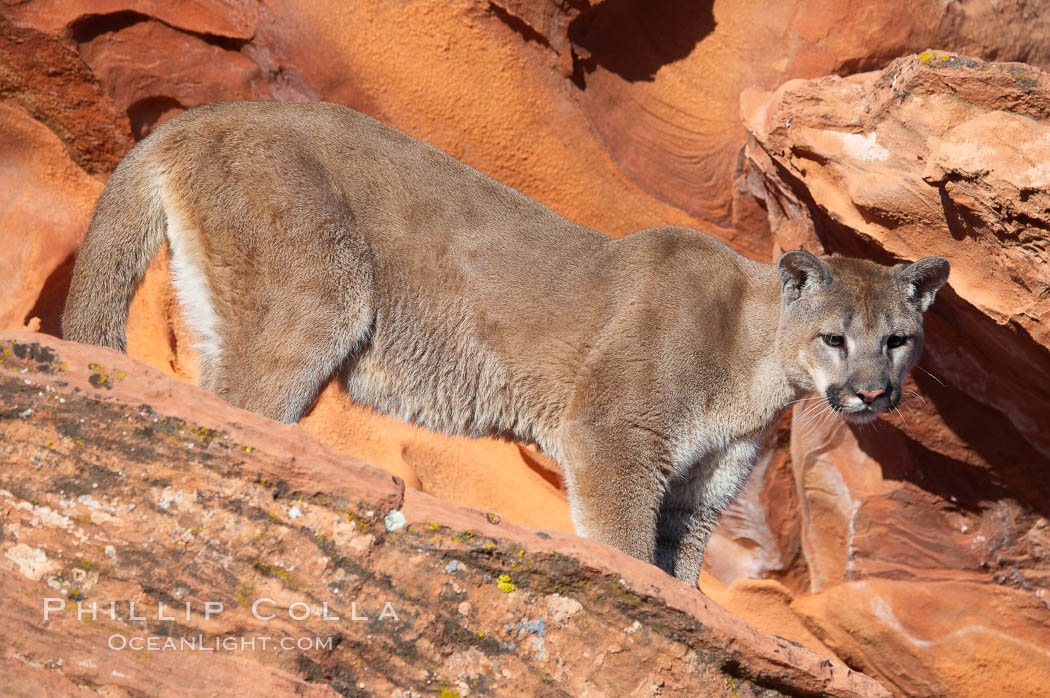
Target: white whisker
[(805, 399), (929, 374), (829, 413), (812, 417), (812, 408), (901, 415), (912, 392)]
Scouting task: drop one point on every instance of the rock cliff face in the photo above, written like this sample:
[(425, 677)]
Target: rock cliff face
[(137, 509), (926, 541), (618, 114), (895, 549)]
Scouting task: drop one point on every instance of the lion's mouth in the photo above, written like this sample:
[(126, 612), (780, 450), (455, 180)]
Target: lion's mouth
[(863, 413)]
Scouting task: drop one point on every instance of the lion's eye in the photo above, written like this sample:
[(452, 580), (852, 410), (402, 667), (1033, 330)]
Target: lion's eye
[(897, 340), (833, 340)]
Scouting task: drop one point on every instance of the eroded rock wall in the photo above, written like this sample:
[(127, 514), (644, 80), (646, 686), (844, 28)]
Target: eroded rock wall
[(618, 114), (926, 538), (621, 115)]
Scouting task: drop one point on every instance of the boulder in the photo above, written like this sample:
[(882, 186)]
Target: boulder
[(143, 517)]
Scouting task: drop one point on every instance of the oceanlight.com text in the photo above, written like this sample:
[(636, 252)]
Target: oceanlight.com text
[(220, 643)]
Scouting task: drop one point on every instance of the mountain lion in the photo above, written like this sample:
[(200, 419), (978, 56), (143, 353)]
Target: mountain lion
[(307, 239)]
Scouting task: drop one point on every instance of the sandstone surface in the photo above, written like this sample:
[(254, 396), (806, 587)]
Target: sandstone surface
[(45, 205), (608, 113), (620, 115), (618, 118), (122, 486), (926, 541)]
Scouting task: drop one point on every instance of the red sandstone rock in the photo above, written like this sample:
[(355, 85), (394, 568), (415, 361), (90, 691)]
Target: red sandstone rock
[(57, 130), (234, 19), (45, 203), (650, 138), (122, 485), (935, 155), (660, 81), (634, 104), (43, 76), (592, 152), (152, 71), (926, 541), (954, 637)]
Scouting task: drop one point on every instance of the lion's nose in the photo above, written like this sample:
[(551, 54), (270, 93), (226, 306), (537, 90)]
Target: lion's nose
[(869, 396)]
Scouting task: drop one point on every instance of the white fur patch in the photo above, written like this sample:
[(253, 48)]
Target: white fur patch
[(191, 284)]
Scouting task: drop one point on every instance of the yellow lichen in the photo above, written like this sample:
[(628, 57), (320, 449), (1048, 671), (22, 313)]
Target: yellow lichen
[(504, 584), (272, 571), (99, 372), (244, 594)]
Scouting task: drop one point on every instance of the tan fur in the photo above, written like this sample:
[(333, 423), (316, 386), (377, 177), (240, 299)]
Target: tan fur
[(309, 239)]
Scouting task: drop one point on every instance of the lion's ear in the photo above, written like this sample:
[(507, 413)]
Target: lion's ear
[(800, 272), (923, 279)]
